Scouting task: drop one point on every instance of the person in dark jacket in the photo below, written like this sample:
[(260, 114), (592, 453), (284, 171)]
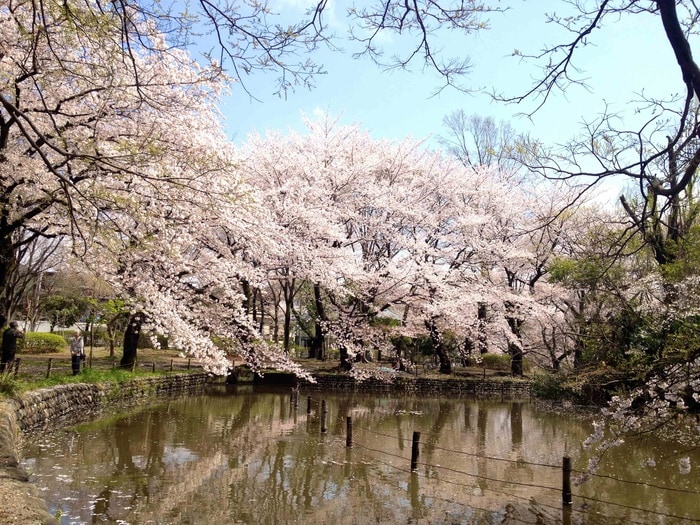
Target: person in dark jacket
[(77, 351), (9, 345)]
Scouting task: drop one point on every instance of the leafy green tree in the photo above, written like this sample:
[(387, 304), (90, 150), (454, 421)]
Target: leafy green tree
[(67, 310), (114, 314)]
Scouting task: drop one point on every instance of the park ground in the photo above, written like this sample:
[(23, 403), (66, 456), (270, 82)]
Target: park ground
[(36, 366)]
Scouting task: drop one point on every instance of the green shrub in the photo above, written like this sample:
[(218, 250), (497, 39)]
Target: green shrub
[(496, 361), (41, 343), (550, 386)]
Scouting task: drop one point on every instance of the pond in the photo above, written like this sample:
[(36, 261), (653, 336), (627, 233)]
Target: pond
[(251, 457)]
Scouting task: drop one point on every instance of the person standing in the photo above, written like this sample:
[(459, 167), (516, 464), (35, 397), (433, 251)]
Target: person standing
[(77, 350), (9, 346)]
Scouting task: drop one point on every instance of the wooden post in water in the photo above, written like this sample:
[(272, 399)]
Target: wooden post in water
[(415, 451), (566, 514), (48, 368), (308, 404), (153, 366), (171, 365), (189, 363), (348, 439), (566, 481), (324, 412)]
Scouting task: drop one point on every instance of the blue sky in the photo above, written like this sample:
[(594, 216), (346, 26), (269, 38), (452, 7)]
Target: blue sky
[(630, 55)]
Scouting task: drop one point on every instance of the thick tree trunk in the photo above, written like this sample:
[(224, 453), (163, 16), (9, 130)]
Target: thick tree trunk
[(316, 349), (8, 263), (515, 348), (247, 296), (317, 342), (439, 347), (481, 343), (131, 340), (345, 362), (516, 359)]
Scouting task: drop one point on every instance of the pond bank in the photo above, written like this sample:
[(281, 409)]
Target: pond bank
[(504, 387)]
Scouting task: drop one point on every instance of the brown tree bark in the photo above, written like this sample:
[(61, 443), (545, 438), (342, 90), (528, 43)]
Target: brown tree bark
[(316, 349), (439, 347), (131, 340)]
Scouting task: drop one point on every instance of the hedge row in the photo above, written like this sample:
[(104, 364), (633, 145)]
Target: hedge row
[(41, 343)]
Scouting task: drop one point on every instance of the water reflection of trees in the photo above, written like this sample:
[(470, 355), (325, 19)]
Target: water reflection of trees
[(254, 458)]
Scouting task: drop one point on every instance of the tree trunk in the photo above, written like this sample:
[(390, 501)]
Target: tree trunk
[(481, 343), (8, 263), (261, 320), (578, 352), (439, 347), (345, 362), (516, 359), (254, 306), (131, 340), (112, 336), (288, 294), (317, 343), (287, 329), (515, 347), (247, 296)]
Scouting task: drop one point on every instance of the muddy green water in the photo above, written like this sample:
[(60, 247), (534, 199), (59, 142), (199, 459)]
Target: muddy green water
[(245, 456)]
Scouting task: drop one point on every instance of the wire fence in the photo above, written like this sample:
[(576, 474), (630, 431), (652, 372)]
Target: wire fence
[(37, 368), (465, 479)]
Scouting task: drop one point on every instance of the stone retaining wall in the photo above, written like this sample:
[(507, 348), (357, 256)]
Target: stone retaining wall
[(506, 388), (20, 502)]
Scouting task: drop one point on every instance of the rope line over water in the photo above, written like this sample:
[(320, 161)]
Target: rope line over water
[(513, 482), (631, 507), (638, 483), (565, 468), (453, 482), (463, 453), (530, 463), (529, 485)]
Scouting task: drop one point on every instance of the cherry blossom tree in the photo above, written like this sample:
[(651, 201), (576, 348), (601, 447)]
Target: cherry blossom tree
[(381, 228), (110, 137)]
